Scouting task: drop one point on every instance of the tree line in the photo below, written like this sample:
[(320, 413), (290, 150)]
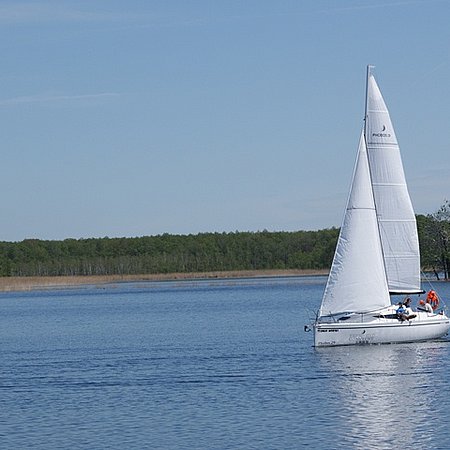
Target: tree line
[(205, 252)]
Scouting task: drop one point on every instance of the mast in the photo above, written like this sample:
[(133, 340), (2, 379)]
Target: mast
[(368, 73)]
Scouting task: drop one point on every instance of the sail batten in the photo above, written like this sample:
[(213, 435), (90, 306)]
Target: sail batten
[(387, 184)]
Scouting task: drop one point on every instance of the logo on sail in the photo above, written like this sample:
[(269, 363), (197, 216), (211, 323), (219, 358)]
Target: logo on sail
[(382, 133)]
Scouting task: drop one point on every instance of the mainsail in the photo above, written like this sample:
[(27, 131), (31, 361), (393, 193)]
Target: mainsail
[(357, 280), (396, 219)]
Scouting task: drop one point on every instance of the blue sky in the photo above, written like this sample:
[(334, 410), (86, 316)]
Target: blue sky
[(145, 117)]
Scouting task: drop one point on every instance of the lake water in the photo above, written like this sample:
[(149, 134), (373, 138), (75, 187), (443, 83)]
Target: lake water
[(207, 365)]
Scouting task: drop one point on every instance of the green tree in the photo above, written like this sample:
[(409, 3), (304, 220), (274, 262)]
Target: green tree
[(434, 238)]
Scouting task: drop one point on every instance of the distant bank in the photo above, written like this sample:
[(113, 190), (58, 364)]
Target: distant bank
[(9, 284)]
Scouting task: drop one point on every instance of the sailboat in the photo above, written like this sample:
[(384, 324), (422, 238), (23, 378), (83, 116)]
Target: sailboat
[(377, 253)]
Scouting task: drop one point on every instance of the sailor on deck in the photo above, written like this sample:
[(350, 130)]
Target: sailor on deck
[(405, 312), (424, 305)]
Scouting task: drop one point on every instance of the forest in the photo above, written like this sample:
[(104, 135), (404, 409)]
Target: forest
[(166, 253), (205, 252)]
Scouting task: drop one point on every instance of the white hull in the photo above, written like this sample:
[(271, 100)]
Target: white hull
[(368, 329)]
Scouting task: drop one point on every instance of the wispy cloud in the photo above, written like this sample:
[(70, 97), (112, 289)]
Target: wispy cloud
[(52, 98), (58, 11), (375, 5)]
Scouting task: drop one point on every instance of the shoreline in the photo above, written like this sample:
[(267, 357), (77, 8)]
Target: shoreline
[(17, 284)]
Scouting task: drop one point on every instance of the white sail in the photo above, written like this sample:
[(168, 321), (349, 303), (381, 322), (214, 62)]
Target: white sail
[(396, 219), (357, 281)]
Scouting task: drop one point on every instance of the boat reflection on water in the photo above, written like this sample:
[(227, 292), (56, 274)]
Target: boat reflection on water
[(387, 395)]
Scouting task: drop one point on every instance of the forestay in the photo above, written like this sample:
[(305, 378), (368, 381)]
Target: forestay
[(357, 280), (396, 219)]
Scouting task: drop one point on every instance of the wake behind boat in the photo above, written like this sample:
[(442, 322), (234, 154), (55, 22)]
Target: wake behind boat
[(377, 254)]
